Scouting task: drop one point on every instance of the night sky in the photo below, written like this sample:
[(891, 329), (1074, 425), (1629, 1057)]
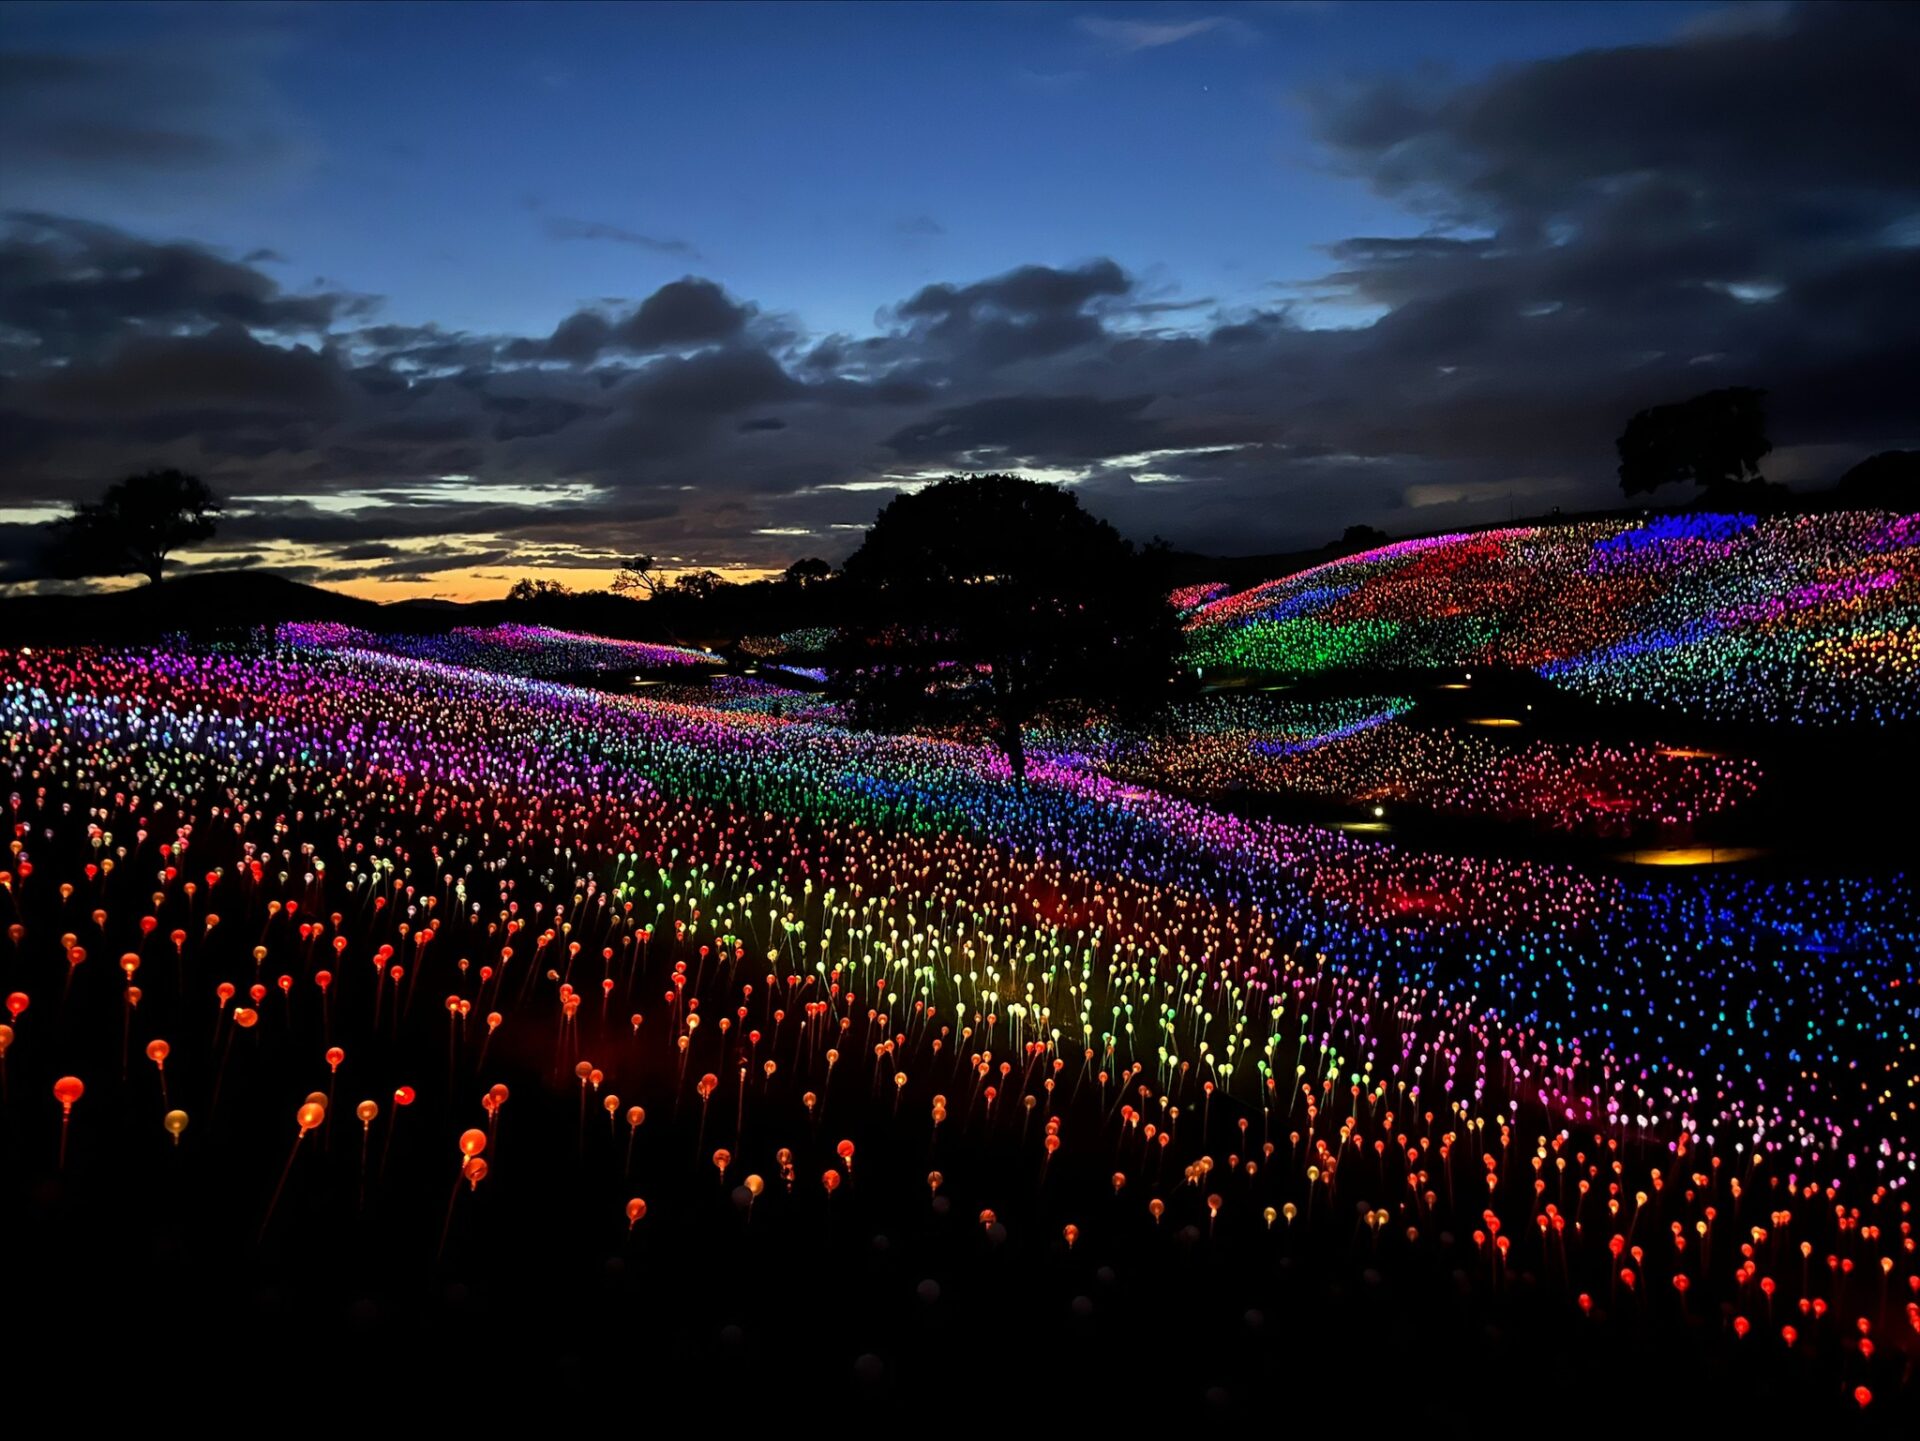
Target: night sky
[(440, 297)]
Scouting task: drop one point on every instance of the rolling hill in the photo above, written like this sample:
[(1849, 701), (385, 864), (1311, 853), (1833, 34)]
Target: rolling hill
[(1807, 618)]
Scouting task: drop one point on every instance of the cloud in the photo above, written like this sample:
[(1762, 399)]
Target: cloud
[(224, 371), (145, 126), (1024, 314), (992, 433), (560, 228), (1131, 36), (1050, 82), (679, 315), (686, 312), (1558, 137), (74, 285)]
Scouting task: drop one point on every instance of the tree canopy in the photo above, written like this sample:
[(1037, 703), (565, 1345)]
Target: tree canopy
[(134, 527), (700, 584), (808, 571), (983, 600), (1714, 440)]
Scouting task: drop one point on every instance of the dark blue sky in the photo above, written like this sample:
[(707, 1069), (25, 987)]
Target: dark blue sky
[(828, 159), (481, 173)]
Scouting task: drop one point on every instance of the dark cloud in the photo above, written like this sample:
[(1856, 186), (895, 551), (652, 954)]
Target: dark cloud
[(1820, 104), (47, 116), (1010, 428), (579, 339), (225, 369), (561, 228), (1026, 314), (71, 285), (678, 316), (403, 519), (686, 312), (142, 124), (521, 417)]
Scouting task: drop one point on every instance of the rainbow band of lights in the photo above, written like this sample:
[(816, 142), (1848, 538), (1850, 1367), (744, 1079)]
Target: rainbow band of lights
[(1800, 619)]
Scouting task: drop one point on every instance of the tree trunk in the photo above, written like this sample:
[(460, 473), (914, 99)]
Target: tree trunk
[(1016, 749)]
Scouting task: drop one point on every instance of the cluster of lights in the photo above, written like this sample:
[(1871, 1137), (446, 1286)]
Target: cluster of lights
[(523, 650), (752, 695), (1657, 1097), (1191, 597), (1363, 751), (806, 641), (1812, 618)]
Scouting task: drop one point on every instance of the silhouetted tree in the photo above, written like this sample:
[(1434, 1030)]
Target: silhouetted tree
[(134, 526), (699, 584), (1716, 439), (639, 573), (810, 571), (984, 599), (1363, 537), (1887, 481), (525, 590)]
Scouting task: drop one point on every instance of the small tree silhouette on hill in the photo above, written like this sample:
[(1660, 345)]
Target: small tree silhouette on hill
[(134, 527)]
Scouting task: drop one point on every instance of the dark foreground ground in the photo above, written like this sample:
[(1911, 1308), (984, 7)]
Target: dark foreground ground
[(141, 1280)]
